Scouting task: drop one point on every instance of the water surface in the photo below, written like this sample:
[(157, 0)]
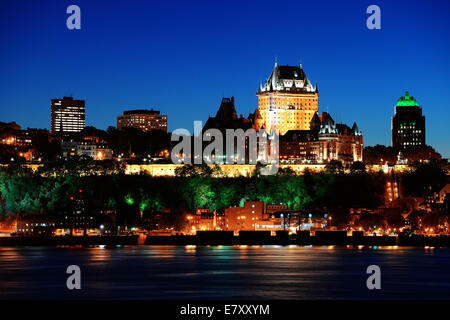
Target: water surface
[(224, 272)]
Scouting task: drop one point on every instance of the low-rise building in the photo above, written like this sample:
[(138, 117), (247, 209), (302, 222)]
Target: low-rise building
[(145, 120), (202, 220), (444, 194), (246, 217), (97, 151)]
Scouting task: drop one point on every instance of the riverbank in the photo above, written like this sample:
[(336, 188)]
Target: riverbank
[(244, 238)]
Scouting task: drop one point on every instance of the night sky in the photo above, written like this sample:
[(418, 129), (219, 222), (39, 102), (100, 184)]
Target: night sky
[(182, 57)]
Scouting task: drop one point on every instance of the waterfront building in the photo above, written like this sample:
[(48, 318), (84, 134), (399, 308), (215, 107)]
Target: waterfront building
[(67, 116), (245, 218), (202, 220), (145, 120), (36, 225), (287, 100), (408, 124), (272, 208)]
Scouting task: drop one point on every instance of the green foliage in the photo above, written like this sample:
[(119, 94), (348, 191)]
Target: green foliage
[(193, 187), (426, 179)]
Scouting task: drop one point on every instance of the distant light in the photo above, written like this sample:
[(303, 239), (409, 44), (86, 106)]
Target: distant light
[(102, 227)]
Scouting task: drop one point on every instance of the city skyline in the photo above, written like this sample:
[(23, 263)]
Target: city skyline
[(361, 81)]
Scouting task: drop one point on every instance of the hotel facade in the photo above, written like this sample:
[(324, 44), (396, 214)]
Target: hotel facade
[(287, 100)]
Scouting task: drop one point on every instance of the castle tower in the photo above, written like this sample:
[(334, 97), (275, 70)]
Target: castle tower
[(287, 100)]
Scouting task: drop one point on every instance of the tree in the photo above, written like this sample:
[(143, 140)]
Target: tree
[(334, 167), (379, 154), (358, 167)]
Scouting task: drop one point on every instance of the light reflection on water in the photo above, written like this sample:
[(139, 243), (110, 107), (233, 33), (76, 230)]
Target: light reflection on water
[(224, 272)]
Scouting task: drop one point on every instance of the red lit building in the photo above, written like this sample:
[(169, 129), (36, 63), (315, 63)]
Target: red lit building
[(246, 217)]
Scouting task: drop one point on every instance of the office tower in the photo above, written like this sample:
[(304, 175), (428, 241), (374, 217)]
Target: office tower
[(68, 116), (408, 124)]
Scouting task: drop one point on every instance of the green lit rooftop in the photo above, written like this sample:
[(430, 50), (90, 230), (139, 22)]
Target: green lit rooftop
[(407, 101)]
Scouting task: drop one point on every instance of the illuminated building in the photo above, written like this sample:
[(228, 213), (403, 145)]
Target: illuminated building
[(287, 101), (272, 208), (444, 194), (201, 220), (408, 124), (96, 151), (392, 191), (21, 143), (325, 140), (93, 150), (68, 116), (226, 118), (36, 225), (246, 217), (145, 120), (68, 149)]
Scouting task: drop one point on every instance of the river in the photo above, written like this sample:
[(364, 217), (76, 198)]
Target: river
[(224, 272)]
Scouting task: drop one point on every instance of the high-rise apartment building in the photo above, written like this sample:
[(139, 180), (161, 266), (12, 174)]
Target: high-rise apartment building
[(287, 101), (145, 120), (408, 124), (67, 116)]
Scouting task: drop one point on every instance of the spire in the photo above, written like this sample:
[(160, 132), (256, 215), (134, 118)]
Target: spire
[(355, 129), (276, 62)]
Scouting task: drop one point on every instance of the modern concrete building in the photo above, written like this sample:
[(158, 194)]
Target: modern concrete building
[(145, 120), (67, 116)]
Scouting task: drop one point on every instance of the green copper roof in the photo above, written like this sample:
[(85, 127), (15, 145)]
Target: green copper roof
[(407, 101)]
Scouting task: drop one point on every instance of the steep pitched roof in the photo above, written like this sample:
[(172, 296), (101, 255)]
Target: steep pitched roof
[(288, 78), (227, 111)]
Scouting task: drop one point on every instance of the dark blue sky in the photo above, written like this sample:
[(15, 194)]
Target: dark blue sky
[(182, 57)]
